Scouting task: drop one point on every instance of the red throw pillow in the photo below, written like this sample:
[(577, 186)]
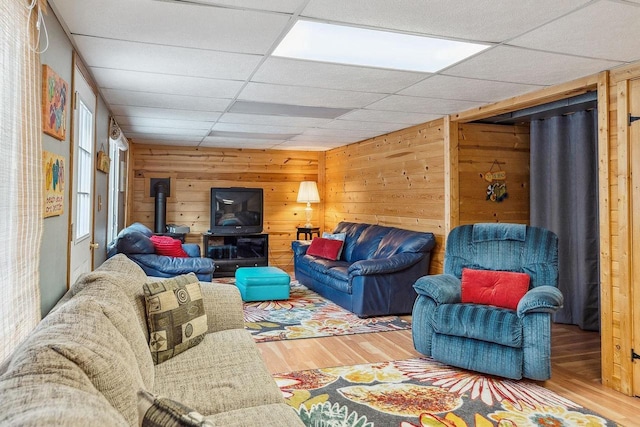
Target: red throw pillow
[(325, 248), (169, 246), (500, 288)]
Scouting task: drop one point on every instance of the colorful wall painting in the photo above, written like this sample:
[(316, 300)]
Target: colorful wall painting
[(55, 92), (53, 184)]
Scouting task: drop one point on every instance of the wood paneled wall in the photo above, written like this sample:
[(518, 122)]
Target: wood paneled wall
[(395, 180), (193, 171), (617, 240), (479, 146)]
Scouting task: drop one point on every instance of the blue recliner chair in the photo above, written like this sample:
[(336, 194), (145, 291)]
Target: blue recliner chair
[(134, 241), (485, 338)]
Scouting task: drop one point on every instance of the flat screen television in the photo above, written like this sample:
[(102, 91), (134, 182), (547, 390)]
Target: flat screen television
[(236, 210)]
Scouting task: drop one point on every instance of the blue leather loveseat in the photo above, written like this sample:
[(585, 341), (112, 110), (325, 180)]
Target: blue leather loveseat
[(134, 241), (375, 273)]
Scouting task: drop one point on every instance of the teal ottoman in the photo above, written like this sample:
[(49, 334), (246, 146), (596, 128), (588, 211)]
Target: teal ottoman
[(262, 283)]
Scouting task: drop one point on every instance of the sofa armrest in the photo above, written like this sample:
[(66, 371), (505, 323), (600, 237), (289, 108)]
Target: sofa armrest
[(392, 264), (541, 299), (442, 288), (192, 249), (223, 306), (300, 247)]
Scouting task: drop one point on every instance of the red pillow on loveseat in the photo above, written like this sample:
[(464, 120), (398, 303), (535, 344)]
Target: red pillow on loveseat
[(325, 248), (169, 246), (500, 288)]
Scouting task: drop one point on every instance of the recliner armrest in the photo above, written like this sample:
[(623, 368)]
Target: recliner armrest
[(442, 288), (392, 264), (541, 299), (300, 247), (192, 249)]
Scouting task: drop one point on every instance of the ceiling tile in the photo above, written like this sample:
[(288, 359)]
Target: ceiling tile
[(518, 65), (174, 24), (596, 31), (343, 139), (163, 83), (415, 104), (333, 76), (163, 113), (378, 127), (243, 127), (288, 110), (272, 120), (133, 56), (367, 115), (160, 100), (312, 97), (249, 143), (186, 140), (154, 130), (488, 20), (447, 87), (307, 146), (135, 122), (339, 133), (287, 6), (171, 142)]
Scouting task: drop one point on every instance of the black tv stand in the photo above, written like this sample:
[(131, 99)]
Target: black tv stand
[(231, 251)]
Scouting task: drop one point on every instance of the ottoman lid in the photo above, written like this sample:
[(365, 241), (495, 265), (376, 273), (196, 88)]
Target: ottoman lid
[(256, 276)]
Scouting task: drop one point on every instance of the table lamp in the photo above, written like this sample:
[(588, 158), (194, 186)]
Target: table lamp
[(308, 193)]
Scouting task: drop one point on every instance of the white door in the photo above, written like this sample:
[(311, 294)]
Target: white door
[(81, 236)]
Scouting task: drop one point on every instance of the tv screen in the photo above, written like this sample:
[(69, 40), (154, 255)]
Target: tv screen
[(236, 210)]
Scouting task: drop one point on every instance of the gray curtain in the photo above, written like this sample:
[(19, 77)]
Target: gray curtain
[(564, 199)]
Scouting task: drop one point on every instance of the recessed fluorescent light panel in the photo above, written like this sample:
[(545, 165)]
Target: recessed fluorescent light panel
[(317, 41)]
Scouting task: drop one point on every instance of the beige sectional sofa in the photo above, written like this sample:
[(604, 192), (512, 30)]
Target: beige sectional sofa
[(87, 360)]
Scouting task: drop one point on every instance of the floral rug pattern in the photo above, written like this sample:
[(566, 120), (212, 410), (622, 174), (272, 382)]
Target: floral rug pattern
[(308, 315), (422, 392)]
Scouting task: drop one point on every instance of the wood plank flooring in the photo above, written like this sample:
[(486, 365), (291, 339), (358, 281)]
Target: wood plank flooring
[(575, 364)]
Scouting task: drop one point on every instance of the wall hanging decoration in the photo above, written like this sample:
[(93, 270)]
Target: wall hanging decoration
[(53, 184), (55, 92), (104, 161), (497, 189)]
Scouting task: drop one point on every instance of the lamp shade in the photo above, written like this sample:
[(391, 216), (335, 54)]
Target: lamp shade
[(308, 192)]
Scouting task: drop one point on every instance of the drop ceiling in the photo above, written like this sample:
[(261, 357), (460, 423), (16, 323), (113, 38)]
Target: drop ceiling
[(201, 72)]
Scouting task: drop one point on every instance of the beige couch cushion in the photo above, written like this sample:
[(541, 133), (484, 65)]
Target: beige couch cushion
[(81, 332), (224, 372), (118, 271), (42, 387)]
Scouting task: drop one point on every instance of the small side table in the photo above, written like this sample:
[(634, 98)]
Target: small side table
[(308, 232)]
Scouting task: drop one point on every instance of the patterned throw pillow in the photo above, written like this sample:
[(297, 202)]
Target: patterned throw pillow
[(175, 314), (155, 411)]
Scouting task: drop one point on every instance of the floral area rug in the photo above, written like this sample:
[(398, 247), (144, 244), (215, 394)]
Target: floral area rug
[(422, 392), (308, 315)]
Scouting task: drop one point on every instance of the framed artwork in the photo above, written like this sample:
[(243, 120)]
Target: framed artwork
[(55, 92), (53, 184)]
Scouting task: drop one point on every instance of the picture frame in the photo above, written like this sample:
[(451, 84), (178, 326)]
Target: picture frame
[(54, 172), (55, 94)]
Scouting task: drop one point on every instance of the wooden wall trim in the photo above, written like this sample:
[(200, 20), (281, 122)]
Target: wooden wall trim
[(625, 241), (543, 96), (604, 205), (625, 73), (451, 176)]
